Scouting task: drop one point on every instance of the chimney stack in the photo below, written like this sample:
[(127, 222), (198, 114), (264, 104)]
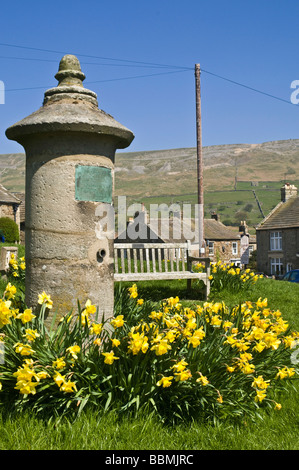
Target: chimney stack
[(214, 216), (287, 191)]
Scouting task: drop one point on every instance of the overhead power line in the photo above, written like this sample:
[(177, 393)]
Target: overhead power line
[(246, 86), (95, 57), (34, 59), (103, 81), (130, 63)]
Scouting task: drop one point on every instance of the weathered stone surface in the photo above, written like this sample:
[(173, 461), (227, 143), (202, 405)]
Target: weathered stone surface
[(64, 254)]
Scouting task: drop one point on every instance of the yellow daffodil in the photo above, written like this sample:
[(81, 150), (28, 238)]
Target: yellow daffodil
[(10, 291), (59, 379), (216, 320), (23, 349), (68, 387), (44, 298), (171, 335), (155, 315), (96, 329), (162, 347), (183, 375), (42, 374), (202, 380), (259, 347), (5, 312), (246, 367), (220, 398), (285, 372), (74, 350), (89, 309), (271, 341), (26, 316), (260, 383), (133, 291), (26, 387), (180, 366), (137, 342), (30, 335), (118, 321), (109, 357), (59, 363), (260, 395), (27, 379), (165, 382), (262, 303)]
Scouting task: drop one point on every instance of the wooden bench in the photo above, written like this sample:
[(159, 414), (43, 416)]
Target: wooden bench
[(158, 261)]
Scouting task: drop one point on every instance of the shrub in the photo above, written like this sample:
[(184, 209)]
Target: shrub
[(206, 362), (10, 230)]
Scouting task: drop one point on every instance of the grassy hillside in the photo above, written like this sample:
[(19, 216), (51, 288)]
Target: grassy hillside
[(12, 171), (235, 177)]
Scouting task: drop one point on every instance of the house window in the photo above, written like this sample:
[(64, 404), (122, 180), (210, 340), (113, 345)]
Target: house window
[(276, 266), (211, 248), (235, 248), (275, 241)]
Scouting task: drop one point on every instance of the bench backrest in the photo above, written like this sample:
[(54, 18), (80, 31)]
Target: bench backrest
[(151, 257)]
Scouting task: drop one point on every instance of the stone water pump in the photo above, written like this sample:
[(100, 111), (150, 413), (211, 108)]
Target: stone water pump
[(70, 147)]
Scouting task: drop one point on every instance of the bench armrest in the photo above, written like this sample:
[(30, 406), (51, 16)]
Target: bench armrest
[(199, 259)]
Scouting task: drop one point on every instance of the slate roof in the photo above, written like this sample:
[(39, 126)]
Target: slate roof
[(284, 215), (171, 231), (216, 230), (7, 197)]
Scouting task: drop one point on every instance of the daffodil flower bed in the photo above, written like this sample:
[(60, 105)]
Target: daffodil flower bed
[(17, 267), (205, 362), (229, 276)]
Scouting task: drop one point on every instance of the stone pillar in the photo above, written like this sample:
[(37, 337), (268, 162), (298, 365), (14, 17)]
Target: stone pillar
[(70, 147)]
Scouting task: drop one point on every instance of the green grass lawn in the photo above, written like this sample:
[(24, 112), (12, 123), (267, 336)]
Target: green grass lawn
[(95, 431)]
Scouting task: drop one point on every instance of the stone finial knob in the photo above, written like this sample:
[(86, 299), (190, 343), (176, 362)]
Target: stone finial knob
[(69, 72), (70, 78)]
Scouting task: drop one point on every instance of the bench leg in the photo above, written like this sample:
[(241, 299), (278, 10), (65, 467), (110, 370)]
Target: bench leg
[(207, 289), (189, 281)]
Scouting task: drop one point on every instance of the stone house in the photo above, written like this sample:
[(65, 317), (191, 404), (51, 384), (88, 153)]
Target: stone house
[(9, 205), (21, 197), (222, 243), (278, 236), (138, 230)]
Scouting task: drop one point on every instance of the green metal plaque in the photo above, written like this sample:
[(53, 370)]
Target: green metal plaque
[(93, 183)]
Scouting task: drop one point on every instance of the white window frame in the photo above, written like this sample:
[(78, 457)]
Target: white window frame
[(289, 267), (234, 248), (211, 248), (275, 241), (276, 266)]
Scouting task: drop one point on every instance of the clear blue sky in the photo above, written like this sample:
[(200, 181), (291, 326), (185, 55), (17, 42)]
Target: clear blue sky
[(254, 43)]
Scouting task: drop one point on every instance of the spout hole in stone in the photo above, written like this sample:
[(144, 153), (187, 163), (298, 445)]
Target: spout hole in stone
[(100, 255)]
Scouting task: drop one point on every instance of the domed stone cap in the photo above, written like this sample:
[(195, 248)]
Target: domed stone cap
[(70, 107)]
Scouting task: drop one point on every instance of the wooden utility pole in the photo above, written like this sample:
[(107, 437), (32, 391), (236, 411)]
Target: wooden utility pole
[(199, 164)]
